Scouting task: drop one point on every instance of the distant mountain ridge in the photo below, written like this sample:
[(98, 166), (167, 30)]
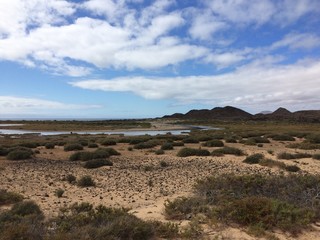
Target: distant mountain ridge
[(233, 113)]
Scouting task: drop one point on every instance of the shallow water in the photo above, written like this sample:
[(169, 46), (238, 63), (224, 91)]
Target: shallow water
[(126, 133)]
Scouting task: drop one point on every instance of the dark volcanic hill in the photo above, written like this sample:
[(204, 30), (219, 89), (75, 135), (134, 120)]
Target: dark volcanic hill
[(232, 113), (219, 113)]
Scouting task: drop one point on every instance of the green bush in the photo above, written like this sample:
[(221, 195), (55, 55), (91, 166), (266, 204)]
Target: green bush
[(292, 168), (71, 178), (159, 152), (227, 150), (268, 213), (92, 145), (283, 137), (73, 147), (185, 152), (108, 142), (96, 163), (177, 144), (231, 140), (213, 143), (254, 159), (49, 145), (19, 154), (190, 140), (97, 154), (145, 145), (86, 181), (59, 192), (316, 156), (167, 146), (181, 207), (288, 156), (29, 145), (9, 197), (25, 208), (271, 163), (164, 164)]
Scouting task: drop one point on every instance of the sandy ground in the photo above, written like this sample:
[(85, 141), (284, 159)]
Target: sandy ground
[(128, 183)]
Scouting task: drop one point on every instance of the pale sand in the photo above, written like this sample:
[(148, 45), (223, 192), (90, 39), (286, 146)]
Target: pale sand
[(126, 183)]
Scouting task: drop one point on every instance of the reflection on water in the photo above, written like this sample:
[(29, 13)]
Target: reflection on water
[(127, 133)]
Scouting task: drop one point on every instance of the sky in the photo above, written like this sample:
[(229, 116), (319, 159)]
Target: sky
[(141, 58)]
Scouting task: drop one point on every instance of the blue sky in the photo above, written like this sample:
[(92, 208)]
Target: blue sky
[(139, 58)]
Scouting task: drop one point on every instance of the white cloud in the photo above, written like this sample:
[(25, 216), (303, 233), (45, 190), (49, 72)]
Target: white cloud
[(204, 25), (243, 11), (20, 105), (254, 85), (51, 35), (258, 12), (298, 41)]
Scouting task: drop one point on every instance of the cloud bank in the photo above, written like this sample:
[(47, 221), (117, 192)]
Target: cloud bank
[(255, 85)]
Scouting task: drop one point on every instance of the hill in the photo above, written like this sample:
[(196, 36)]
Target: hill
[(232, 113)]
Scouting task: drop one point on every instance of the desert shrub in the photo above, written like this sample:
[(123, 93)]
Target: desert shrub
[(83, 142), (9, 197), (182, 207), (104, 223), (97, 154), (259, 145), (73, 147), (92, 145), (177, 144), (166, 230), (147, 168), (3, 151), (316, 156), (203, 138), (299, 190), (108, 142), (313, 138), (231, 140), (130, 149), (185, 152), (227, 150), (164, 164), (29, 144), (86, 181), (283, 137), (110, 151), (71, 178), (167, 146), (96, 163), (304, 146), (269, 213), (19, 154), (213, 143), (59, 192), (288, 156), (254, 159), (159, 152), (145, 145), (49, 145), (292, 168), (25, 208), (190, 140), (271, 163), (259, 139)]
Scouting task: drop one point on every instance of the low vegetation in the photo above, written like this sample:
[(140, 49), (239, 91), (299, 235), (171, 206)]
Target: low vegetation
[(86, 181), (186, 152), (96, 163), (227, 150), (19, 153), (288, 203), (9, 197), (288, 156), (73, 147)]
